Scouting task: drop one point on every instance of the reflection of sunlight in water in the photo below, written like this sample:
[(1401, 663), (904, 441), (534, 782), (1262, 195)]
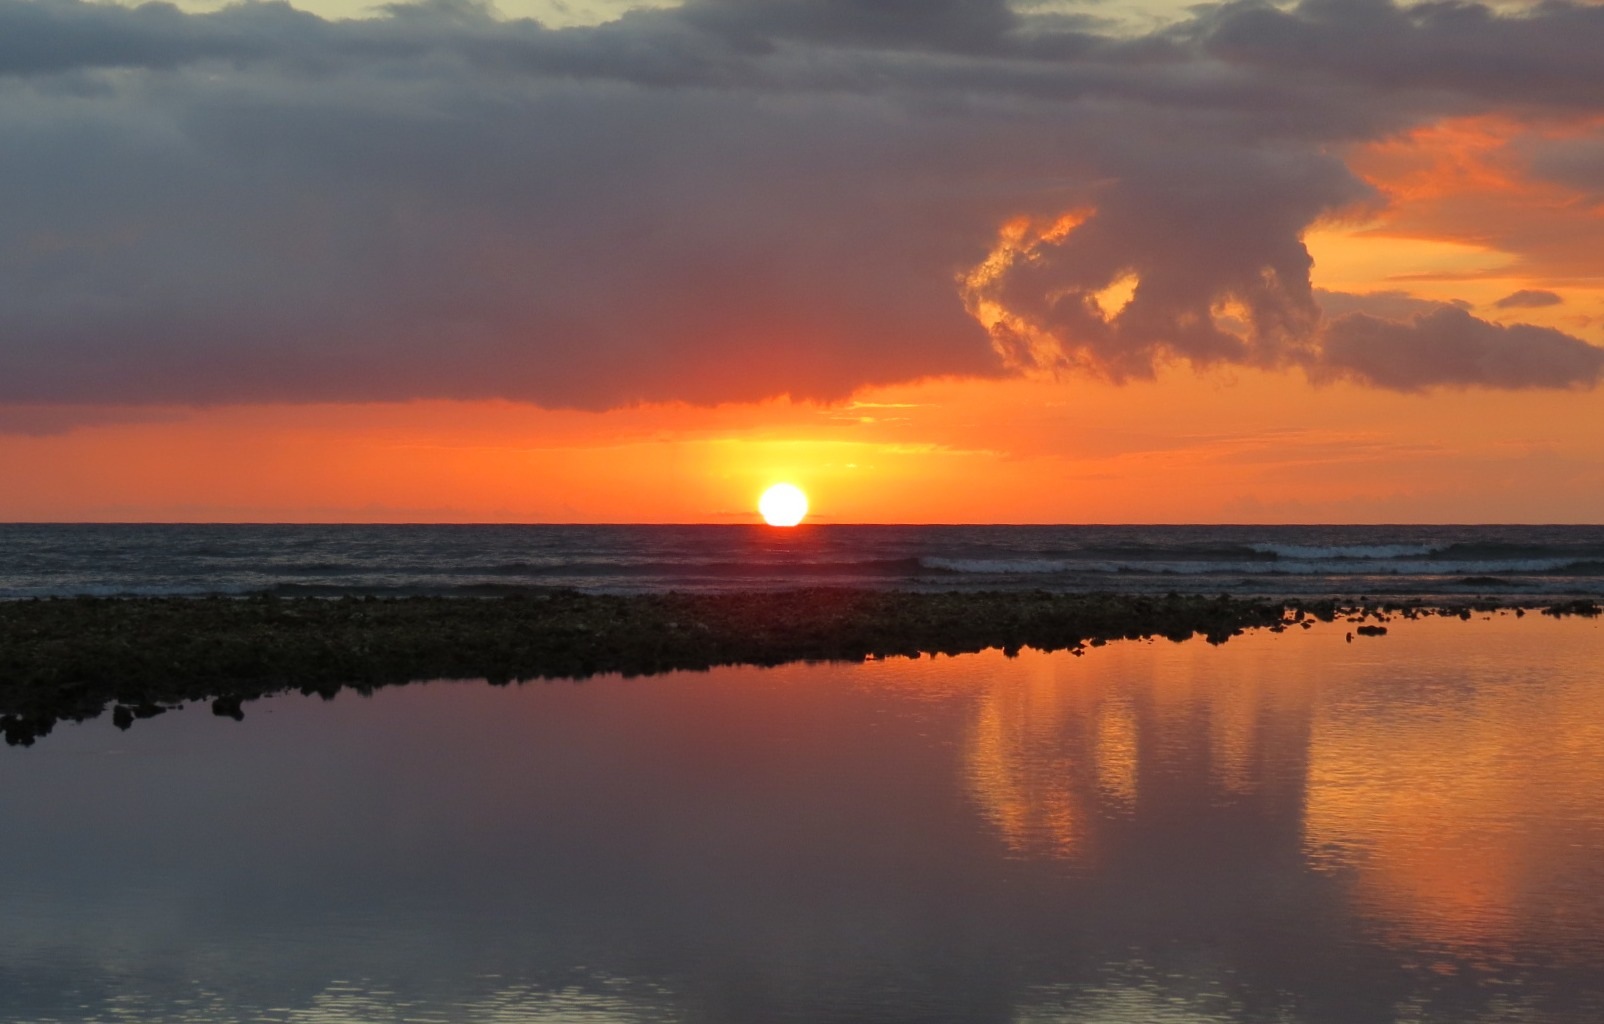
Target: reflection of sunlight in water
[(1131, 993), (608, 1001), (1121, 1006)]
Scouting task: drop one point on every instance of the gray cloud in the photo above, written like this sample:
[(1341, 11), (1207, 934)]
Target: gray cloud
[(733, 199), (945, 24), (1208, 229), (1451, 348), (37, 38), (1546, 56), (1389, 305), (1576, 163), (51, 420), (1528, 298)]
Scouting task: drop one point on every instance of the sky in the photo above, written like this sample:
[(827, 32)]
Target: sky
[(931, 260)]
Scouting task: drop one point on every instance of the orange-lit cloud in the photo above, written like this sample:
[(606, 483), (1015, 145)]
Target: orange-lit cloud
[(652, 210), (882, 255), (1479, 209)]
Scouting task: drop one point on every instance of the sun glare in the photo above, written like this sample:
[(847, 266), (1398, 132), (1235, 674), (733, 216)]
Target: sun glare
[(783, 505)]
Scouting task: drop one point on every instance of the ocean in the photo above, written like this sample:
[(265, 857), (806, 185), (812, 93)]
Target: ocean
[(52, 560), (1304, 826)]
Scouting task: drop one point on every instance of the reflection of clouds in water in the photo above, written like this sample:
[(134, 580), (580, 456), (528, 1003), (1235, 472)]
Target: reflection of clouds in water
[(1118, 837), (1470, 820), (1233, 738), (1116, 752), (1056, 745), (1462, 809), (1022, 760)]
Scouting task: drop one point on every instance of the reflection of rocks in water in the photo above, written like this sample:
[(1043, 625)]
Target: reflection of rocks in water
[(123, 716), (1118, 837), (69, 659)]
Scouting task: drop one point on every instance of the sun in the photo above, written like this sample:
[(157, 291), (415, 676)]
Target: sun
[(783, 505)]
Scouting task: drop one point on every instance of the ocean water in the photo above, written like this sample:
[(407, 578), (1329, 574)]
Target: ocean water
[(1536, 561), (1285, 829)]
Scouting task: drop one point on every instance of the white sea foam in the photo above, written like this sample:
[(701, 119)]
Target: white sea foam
[(1307, 552), (1376, 565), (45, 560), (1004, 566)]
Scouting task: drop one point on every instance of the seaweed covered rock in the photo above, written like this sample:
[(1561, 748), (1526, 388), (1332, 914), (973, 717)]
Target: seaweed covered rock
[(69, 659)]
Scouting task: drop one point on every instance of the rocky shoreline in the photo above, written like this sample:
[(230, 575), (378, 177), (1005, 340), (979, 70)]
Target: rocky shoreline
[(71, 659)]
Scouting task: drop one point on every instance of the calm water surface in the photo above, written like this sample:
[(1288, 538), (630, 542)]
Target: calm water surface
[(1288, 828)]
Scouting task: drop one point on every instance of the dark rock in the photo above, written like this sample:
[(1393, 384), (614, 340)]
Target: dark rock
[(1583, 607), (68, 659)]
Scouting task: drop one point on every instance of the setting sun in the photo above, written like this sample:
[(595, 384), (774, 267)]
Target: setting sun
[(783, 505)]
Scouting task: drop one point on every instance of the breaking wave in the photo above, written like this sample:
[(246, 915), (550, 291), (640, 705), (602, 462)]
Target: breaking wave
[(114, 560)]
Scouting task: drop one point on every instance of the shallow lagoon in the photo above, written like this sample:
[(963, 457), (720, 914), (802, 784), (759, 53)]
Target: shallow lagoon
[(1289, 827)]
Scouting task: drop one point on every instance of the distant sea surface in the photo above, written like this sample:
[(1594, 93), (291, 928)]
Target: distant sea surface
[(89, 559)]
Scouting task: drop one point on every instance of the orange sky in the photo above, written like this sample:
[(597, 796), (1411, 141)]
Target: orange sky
[(1236, 446), (1460, 216)]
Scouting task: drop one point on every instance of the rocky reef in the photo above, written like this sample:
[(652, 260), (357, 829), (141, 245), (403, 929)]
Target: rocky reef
[(72, 658)]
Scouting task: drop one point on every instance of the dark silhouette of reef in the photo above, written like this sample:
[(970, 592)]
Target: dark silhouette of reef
[(71, 658)]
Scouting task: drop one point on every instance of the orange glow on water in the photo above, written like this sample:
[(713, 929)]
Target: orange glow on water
[(1445, 802), (1477, 773)]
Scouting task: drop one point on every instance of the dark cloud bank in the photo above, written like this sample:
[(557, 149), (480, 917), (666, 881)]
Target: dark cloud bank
[(733, 199)]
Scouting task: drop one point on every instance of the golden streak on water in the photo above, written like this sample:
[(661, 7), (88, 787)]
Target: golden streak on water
[(1445, 811), (1449, 806), (1116, 754), (1020, 761)]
